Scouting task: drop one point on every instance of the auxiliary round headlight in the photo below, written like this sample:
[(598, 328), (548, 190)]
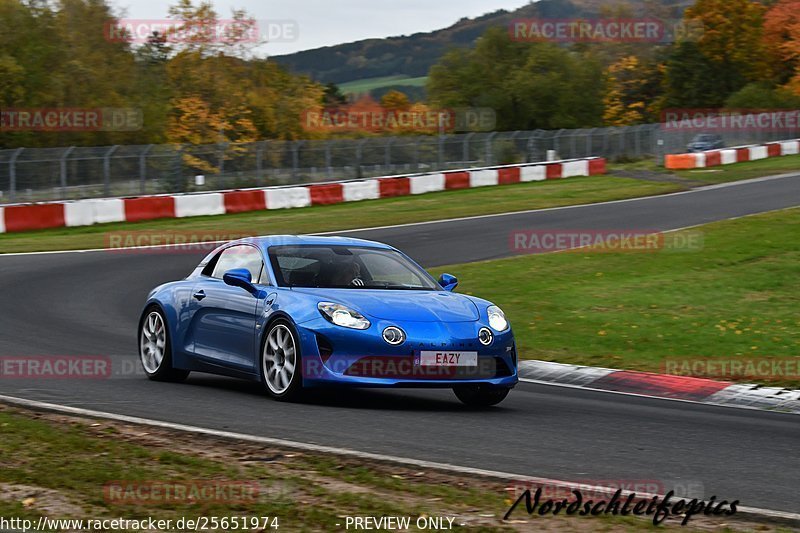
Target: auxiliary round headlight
[(485, 336), (394, 335)]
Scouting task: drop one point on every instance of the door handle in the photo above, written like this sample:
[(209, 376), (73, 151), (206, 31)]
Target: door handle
[(199, 295)]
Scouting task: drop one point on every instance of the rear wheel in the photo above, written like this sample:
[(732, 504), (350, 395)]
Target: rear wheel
[(480, 395), (280, 362), (155, 351)]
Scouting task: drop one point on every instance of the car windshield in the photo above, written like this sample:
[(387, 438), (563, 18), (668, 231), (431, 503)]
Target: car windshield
[(350, 267)]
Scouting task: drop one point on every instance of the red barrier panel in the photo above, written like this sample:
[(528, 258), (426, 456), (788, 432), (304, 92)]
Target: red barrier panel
[(326, 194), (149, 208), (243, 201), (506, 176), (35, 216), (713, 159), (774, 150), (742, 154), (456, 180), (553, 171), (394, 187), (597, 166)]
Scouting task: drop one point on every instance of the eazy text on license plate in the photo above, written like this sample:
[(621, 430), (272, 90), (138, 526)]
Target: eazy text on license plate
[(445, 358)]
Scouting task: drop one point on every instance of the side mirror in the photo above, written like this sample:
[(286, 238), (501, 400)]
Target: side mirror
[(448, 282), (239, 277)]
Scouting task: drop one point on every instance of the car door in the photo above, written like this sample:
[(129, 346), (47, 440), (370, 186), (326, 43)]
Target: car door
[(224, 322)]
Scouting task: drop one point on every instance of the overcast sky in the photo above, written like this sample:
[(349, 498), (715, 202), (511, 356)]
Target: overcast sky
[(329, 22)]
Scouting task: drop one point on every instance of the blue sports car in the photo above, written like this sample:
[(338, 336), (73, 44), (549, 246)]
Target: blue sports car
[(300, 311)]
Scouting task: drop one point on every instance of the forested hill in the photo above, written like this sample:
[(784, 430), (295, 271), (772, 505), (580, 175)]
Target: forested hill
[(412, 55)]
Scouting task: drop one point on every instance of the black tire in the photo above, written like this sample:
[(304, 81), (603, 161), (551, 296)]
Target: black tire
[(481, 395), (292, 389), (164, 370)]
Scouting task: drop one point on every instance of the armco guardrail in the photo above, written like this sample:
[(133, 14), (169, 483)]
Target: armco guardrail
[(726, 156), (97, 211)]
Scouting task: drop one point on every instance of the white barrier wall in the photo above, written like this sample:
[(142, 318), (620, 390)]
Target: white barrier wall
[(575, 168), (288, 198), (758, 152), (423, 184), (483, 178), (194, 205), (353, 191), (108, 210), (533, 173)]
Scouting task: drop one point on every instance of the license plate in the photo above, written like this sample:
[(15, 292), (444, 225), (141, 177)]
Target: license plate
[(445, 358)]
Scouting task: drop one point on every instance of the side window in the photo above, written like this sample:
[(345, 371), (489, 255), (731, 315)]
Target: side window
[(241, 256)]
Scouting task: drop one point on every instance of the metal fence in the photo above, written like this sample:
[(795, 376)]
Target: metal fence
[(39, 174)]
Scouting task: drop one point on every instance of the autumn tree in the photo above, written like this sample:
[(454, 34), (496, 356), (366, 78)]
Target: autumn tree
[(633, 88), (728, 54), (782, 39)]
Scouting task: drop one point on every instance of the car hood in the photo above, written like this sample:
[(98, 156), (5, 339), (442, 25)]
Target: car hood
[(400, 305)]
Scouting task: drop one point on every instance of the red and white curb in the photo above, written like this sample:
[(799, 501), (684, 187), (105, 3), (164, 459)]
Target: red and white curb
[(667, 386), (727, 156), (26, 217)]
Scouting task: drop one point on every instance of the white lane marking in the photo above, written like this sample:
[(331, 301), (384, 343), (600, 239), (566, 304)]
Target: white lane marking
[(640, 395), (459, 219), (318, 448)]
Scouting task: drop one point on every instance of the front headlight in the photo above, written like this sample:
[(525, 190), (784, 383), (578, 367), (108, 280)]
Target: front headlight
[(497, 319), (342, 316)]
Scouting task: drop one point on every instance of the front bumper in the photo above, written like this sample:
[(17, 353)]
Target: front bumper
[(333, 355)]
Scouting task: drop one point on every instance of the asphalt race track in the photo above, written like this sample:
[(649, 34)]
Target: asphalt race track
[(88, 304)]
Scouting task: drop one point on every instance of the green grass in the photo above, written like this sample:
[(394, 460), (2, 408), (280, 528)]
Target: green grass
[(368, 84), (743, 171), (723, 173), (433, 206), (57, 467), (736, 297)]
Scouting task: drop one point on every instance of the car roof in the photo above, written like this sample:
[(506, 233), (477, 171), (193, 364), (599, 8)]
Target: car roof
[(309, 240)]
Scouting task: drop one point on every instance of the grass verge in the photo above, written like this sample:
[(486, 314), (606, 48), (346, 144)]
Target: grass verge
[(59, 467), (723, 173), (735, 297)]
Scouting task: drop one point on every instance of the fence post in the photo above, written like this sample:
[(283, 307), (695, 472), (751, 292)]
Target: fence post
[(107, 170), (489, 155), (296, 159), (465, 148), (589, 138), (63, 165), (388, 153), (328, 159), (260, 162), (143, 169), (12, 174), (359, 157)]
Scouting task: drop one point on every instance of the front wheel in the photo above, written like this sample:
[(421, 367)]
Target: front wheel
[(480, 395), (155, 351), (280, 362)]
